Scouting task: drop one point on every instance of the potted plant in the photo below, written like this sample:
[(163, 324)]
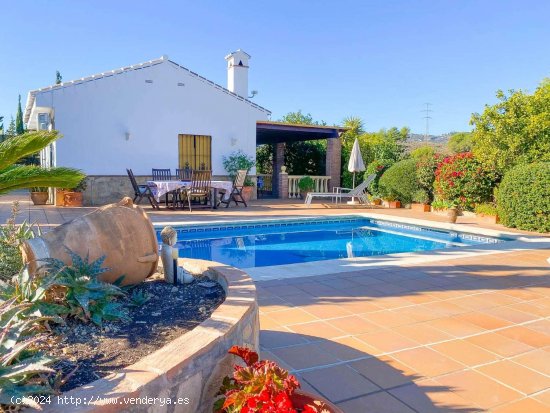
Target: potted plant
[(487, 213), (420, 201), (263, 386), (306, 185), (236, 161), (39, 195), (73, 197), (446, 208)]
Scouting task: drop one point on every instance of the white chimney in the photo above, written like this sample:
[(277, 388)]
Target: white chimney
[(237, 72)]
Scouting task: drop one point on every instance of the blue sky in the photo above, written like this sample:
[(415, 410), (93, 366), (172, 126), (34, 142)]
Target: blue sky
[(380, 60)]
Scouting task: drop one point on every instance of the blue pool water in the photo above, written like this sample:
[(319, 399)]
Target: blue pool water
[(266, 243)]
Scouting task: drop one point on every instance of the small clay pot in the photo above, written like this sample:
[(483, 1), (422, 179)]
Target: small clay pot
[(451, 215), (420, 207), (73, 199), (39, 198)]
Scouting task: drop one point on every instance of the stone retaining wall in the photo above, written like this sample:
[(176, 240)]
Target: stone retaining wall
[(190, 366), (106, 189)]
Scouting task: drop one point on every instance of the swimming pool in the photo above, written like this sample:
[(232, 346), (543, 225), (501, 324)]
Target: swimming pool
[(291, 241)]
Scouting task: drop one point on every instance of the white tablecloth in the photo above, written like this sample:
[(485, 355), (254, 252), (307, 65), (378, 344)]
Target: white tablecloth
[(160, 188)]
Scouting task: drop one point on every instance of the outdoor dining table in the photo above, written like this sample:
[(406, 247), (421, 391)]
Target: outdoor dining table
[(160, 188)]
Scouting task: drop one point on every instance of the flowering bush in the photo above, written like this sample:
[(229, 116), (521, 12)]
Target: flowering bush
[(425, 173), (464, 180), (260, 387), (378, 166)]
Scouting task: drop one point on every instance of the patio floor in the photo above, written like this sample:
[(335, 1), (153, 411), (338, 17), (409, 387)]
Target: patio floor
[(462, 335)]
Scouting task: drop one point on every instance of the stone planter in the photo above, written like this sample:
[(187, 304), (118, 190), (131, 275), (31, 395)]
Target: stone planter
[(72, 199), (392, 204), (247, 193), (488, 219), (60, 197), (189, 368), (301, 398), (450, 214), (39, 198), (420, 207)]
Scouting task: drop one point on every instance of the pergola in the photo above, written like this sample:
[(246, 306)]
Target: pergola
[(279, 133)]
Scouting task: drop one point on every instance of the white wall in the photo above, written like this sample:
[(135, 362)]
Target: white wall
[(94, 118)]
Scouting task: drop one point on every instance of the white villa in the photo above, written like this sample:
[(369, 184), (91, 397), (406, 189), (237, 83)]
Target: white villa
[(159, 114)]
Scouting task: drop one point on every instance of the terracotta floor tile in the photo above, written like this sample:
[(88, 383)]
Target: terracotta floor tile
[(537, 360), (339, 383), (359, 306), (354, 325), (389, 288), (421, 298), (427, 362), (443, 398), (523, 294), (381, 402), (267, 323), (472, 302), (347, 348), (465, 352), (284, 290), (389, 318), (324, 311), (456, 328), (527, 336), (384, 372), (291, 316), (445, 308), (431, 398), (499, 344), (317, 289), (273, 303), (422, 333), (483, 320), (304, 356), (516, 376), (542, 326), (531, 307), (526, 405), (392, 302), (543, 397), (317, 330), (479, 389), (420, 313), (279, 338), (509, 314), (387, 341)]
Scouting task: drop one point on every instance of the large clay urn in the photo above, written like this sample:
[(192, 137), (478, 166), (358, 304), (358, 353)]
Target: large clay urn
[(122, 232)]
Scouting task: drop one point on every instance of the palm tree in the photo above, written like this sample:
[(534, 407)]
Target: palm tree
[(16, 176)]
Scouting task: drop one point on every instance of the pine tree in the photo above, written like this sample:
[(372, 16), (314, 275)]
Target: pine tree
[(19, 126), (11, 129)]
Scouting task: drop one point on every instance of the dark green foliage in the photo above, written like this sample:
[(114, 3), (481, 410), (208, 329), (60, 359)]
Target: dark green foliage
[(19, 125), (425, 173), (87, 297), (236, 161), (264, 159), (377, 167), (11, 237), (23, 371), (400, 182), (306, 157), (523, 197), (306, 184), (460, 142)]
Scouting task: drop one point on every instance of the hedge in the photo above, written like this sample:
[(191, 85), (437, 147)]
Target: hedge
[(400, 182), (523, 197)]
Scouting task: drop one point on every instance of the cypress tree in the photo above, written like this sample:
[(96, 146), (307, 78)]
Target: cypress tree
[(19, 126)]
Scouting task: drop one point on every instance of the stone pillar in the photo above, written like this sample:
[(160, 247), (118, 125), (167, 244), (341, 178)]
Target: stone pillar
[(278, 163), (283, 184), (334, 161)]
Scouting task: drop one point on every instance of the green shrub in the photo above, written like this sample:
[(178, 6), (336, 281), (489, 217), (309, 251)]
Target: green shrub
[(11, 237), (486, 209), (400, 181), (523, 197), (425, 173), (462, 179), (238, 160), (378, 166), (306, 184), (421, 196), (441, 204)]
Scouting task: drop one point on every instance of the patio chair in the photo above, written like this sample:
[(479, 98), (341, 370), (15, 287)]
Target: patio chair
[(165, 175), (200, 188), (184, 174), (141, 191), (161, 174), (236, 194), (360, 192)]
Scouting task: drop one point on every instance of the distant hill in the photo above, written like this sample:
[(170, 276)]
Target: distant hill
[(438, 141)]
